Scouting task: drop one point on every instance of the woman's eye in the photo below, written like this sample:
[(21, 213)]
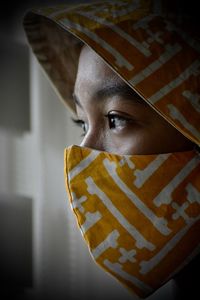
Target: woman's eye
[(117, 121), (81, 124)]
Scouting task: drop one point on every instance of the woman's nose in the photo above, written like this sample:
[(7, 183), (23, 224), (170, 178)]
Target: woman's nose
[(93, 140)]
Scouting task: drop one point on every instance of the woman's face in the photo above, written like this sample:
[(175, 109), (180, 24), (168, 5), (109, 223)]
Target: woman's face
[(114, 118)]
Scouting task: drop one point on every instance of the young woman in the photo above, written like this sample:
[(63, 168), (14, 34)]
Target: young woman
[(131, 76)]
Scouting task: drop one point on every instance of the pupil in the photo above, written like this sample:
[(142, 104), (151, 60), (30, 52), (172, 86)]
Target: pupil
[(112, 122)]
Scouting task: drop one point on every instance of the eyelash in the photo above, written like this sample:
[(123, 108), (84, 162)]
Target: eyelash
[(80, 123), (112, 118)]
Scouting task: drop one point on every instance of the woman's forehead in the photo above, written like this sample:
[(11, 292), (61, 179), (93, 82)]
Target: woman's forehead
[(93, 70), (98, 81)]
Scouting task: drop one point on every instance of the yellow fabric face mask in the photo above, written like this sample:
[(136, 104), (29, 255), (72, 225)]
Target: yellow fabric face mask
[(139, 214)]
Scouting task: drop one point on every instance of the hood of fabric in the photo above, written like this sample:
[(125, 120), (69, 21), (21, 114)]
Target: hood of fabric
[(157, 55)]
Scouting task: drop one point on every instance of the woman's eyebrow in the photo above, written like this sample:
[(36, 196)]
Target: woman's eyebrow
[(110, 90), (122, 89)]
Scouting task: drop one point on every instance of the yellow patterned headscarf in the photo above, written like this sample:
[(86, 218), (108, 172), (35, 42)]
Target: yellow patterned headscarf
[(158, 56)]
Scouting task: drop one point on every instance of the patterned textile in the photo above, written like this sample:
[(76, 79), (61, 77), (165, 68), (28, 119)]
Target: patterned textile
[(140, 215), (158, 56)]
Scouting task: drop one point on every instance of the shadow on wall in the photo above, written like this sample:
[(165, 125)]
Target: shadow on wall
[(16, 244), (14, 86)]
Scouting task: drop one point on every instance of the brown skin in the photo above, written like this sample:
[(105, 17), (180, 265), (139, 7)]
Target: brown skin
[(116, 120)]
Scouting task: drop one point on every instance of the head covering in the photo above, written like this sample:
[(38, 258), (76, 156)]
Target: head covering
[(158, 55)]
